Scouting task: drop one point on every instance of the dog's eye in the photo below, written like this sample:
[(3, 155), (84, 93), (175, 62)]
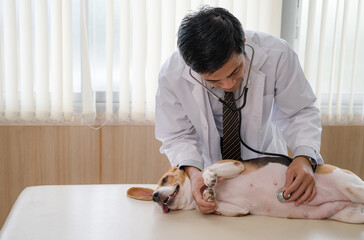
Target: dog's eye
[(164, 181)]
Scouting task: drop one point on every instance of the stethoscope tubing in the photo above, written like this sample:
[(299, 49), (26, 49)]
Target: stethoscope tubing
[(245, 94), (257, 151)]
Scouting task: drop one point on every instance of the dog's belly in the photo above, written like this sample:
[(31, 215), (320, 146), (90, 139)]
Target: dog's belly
[(256, 191)]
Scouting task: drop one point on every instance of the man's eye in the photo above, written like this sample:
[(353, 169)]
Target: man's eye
[(212, 81), (237, 71)]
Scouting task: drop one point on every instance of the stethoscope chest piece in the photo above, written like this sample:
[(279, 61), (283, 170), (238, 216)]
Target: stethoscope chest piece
[(280, 196)]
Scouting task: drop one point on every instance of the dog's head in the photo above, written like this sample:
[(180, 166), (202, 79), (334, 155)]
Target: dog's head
[(173, 191)]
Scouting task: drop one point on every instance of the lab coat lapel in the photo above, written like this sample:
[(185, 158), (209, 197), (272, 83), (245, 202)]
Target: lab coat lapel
[(252, 113), (210, 135), (199, 93)]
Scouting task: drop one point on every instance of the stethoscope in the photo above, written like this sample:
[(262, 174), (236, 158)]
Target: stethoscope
[(238, 109)]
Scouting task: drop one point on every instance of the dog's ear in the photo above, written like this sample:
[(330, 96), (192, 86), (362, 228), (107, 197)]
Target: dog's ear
[(139, 193)]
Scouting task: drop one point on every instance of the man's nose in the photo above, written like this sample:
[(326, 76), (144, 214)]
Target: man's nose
[(228, 83)]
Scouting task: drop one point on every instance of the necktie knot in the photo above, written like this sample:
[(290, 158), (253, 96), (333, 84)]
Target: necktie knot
[(229, 96), (230, 99)]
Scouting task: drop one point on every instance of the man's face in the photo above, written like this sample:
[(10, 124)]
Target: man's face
[(229, 76)]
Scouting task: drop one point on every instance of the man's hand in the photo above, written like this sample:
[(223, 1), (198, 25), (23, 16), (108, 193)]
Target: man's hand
[(300, 183), (197, 188)]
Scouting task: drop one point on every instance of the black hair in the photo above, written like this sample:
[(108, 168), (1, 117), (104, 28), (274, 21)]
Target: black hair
[(208, 38)]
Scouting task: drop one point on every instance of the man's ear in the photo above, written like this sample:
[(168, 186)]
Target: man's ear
[(144, 194)]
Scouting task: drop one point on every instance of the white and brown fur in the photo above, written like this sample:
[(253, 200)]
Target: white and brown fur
[(250, 187)]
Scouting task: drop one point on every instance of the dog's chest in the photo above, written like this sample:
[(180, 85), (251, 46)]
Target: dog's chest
[(255, 188)]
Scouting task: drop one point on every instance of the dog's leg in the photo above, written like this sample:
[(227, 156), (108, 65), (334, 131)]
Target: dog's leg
[(223, 169), (351, 214), (228, 209), (350, 185), (354, 189), (355, 193)]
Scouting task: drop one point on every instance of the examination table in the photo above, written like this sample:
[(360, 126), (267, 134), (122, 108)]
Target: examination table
[(105, 212)]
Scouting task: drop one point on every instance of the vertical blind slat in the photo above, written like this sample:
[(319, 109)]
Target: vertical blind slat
[(309, 51), (10, 60), (323, 40), (109, 57), (1, 80), (153, 55), (168, 28), (227, 4), (195, 4), (239, 11), (333, 61), (182, 7), (26, 60), (355, 61), (67, 60), (270, 16), (138, 60), (300, 43), (124, 96), (341, 63), (56, 60), (41, 59), (88, 95), (210, 2), (253, 14)]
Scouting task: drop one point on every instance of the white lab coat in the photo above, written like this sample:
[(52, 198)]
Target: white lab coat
[(279, 109)]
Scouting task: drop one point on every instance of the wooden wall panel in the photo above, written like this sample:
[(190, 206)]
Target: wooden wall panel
[(343, 146), (130, 154), (43, 156)]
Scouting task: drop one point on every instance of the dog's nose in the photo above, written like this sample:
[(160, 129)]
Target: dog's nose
[(156, 196)]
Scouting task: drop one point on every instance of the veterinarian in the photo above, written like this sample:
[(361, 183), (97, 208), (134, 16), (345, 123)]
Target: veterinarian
[(279, 110)]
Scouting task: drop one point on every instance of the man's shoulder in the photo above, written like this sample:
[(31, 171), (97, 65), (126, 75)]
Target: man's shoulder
[(266, 40), (173, 66)]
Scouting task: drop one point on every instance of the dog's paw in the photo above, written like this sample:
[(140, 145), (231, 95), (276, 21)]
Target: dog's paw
[(209, 195), (210, 178)]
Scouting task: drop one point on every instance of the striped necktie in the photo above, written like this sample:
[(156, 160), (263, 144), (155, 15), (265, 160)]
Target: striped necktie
[(230, 142)]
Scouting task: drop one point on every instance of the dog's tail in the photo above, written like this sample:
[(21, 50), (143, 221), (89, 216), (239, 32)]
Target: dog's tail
[(140, 193)]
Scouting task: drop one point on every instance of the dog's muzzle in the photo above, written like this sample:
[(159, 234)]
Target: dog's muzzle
[(165, 201), (156, 196)]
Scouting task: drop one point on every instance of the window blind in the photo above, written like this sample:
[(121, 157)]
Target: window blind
[(97, 62), (328, 45)]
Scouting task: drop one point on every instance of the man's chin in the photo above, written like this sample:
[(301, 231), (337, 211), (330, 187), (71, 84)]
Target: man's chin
[(232, 89)]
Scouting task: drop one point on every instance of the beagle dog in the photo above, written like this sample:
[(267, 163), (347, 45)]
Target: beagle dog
[(253, 187)]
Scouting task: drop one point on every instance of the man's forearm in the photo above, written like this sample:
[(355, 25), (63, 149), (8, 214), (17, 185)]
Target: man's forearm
[(192, 171)]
